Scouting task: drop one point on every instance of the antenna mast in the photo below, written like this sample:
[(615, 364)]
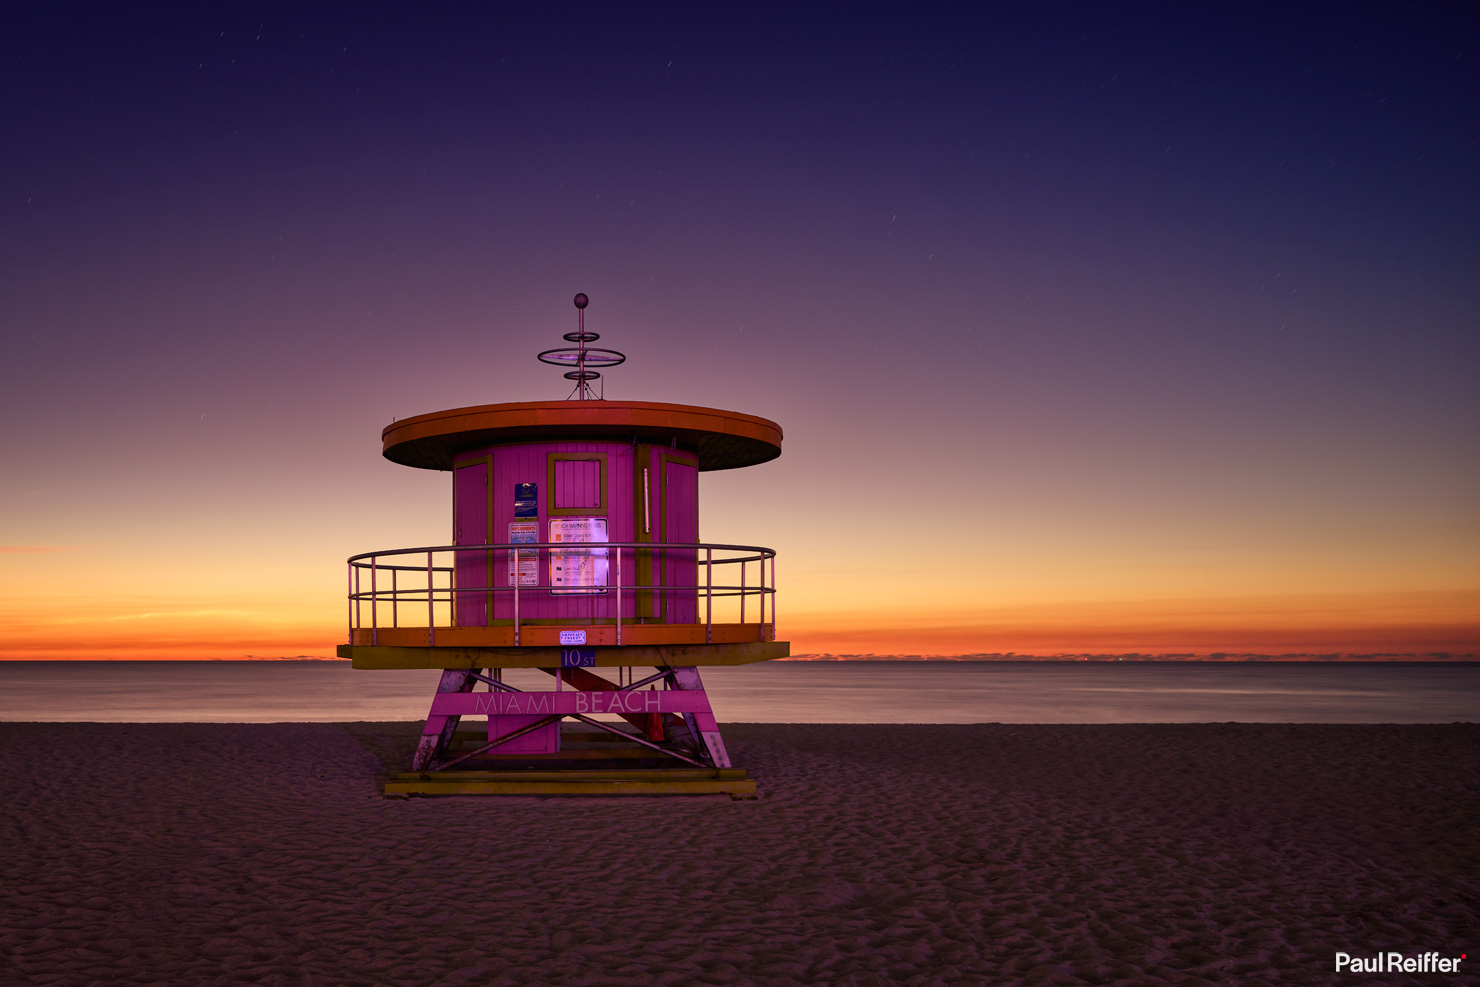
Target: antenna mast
[(582, 357)]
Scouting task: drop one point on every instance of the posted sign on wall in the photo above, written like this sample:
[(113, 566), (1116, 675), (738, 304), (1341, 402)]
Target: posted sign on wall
[(525, 533), (581, 570)]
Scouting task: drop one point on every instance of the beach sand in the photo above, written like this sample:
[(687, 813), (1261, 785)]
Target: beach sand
[(1116, 854)]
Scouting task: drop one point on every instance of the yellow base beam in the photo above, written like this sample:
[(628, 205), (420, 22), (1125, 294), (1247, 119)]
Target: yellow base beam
[(652, 781)]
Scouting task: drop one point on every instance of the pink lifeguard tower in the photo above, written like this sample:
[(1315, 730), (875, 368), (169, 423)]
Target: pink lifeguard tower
[(575, 551)]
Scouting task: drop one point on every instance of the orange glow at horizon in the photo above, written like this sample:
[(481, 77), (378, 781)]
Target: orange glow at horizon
[(162, 632), (1455, 641), (1398, 624)]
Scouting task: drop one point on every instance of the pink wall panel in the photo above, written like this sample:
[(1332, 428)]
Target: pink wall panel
[(470, 527), (680, 524)]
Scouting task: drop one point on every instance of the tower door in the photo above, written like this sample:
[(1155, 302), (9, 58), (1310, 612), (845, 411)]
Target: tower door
[(680, 524), (470, 527)]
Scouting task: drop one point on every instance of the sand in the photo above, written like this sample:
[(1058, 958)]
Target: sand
[(1178, 854)]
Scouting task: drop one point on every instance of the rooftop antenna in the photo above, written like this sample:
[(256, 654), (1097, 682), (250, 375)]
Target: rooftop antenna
[(582, 356)]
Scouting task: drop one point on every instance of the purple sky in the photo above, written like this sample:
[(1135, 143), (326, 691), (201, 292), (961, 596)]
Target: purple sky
[(1171, 309)]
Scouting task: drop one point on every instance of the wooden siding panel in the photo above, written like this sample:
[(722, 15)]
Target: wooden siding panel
[(470, 527), (578, 483), (681, 524)]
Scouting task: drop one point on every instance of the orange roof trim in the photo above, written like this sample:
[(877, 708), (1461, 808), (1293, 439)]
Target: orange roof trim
[(721, 439)]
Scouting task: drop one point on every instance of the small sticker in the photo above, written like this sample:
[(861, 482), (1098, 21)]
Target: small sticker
[(572, 637), (577, 657)]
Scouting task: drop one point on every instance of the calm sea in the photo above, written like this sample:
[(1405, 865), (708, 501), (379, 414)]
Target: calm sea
[(781, 692)]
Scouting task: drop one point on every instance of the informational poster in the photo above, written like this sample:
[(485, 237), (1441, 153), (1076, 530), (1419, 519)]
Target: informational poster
[(577, 570), (526, 500), (525, 533)]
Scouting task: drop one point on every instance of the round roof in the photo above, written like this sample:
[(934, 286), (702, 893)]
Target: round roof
[(722, 439)]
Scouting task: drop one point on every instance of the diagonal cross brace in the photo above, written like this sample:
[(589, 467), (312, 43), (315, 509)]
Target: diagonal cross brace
[(438, 731), (703, 725)]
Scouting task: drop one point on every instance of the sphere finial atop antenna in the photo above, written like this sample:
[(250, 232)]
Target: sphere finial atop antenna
[(583, 357)]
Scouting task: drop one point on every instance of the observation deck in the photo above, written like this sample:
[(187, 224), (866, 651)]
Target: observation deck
[(404, 604)]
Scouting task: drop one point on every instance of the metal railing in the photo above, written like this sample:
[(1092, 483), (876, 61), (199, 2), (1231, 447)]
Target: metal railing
[(417, 589)]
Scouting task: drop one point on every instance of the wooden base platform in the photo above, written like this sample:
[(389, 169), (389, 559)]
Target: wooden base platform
[(638, 781)]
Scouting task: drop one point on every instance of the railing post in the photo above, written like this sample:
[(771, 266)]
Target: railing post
[(709, 596), (619, 596), (431, 596), (742, 592), (349, 602), (517, 580), (763, 596), (374, 601), (358, 621), (773, 594)]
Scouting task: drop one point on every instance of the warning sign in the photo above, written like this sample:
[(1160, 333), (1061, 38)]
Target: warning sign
[(528, 559), (582, 570)]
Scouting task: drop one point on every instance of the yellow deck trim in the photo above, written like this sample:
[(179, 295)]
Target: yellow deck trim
[(390, 657), (546, 636)]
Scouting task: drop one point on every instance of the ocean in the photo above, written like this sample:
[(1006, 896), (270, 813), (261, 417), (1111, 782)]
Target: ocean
[(781, 692)]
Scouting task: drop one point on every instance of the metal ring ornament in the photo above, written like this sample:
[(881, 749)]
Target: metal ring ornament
[(593, 357)]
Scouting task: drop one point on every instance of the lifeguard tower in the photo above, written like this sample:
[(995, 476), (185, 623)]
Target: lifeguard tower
[(575, 551)]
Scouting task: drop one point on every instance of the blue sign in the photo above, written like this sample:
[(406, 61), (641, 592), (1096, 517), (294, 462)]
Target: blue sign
[(526, 500), (577, 657)]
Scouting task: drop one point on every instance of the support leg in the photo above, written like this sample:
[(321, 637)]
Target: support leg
[(437, 733), (687, 677)]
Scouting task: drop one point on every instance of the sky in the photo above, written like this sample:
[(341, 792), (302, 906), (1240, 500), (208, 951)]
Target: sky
[(1091, 330)]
